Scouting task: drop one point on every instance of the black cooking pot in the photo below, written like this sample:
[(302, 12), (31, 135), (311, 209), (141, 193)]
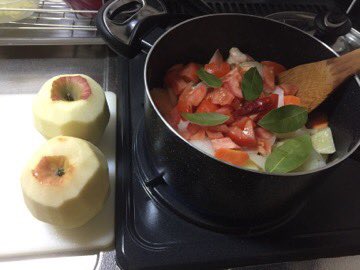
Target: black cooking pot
[(215, 189)]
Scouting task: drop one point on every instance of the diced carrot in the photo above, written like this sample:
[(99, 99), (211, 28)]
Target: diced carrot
[(236, 157), (292, 100), (318, 121)]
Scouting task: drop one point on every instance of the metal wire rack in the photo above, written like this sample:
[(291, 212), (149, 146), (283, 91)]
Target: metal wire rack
[(52, 23)]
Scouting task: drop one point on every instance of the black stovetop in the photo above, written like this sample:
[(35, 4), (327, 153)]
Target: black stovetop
[(151, 236)]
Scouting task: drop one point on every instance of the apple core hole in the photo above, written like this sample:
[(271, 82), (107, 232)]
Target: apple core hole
[(51, 169)]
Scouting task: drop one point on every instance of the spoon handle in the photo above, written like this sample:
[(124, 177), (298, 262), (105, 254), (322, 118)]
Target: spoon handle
[(344, 66)]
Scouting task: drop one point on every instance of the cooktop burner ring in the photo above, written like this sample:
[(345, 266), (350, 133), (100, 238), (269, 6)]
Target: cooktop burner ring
[(162, 194)]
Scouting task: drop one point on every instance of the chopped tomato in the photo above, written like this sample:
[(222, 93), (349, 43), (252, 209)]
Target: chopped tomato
[(200, 135), (172, 97), (216, 58), (232, 82), (265, 140), (225, 143), (214, 134), (193, 128), (275, 100), (174, 81), (240, 123), (219, 70), (206, 106), (219, 128), (289, 89), (277, 68), (161, 99), (236, 104), (184, 105), (185, 134), (197, 94), (243, 137), (221, 96), (173, 117), (292, 100), (188, 73), (236, 157), (269, 79)]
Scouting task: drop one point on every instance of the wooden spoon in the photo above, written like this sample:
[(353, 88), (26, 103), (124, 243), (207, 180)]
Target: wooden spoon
[(317, 80)]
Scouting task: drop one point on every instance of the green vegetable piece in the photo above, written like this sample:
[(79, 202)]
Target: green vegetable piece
[(323, 141), (284, 119), (209, 79), (290, 155), (252, 85), (206, 119)]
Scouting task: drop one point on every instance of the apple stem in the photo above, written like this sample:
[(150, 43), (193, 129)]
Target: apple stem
[(60, 172)]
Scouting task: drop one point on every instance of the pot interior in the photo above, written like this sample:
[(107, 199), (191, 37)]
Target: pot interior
[(263, 39)]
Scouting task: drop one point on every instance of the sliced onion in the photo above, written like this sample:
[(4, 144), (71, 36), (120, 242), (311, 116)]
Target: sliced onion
[(258, 160), (280, 94), (247, 65), (203, 145), (236, 56), (183, 125)]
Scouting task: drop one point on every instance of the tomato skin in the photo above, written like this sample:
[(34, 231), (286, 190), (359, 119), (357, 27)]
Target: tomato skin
[(277, 68), (188, 73), (197, 94), (219, 70), (232, 82), (221, 96), (243, 137), (206, 106), (269, 79), (236, 157)]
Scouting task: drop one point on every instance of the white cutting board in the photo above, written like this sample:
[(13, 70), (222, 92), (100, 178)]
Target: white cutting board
[(20, 233)]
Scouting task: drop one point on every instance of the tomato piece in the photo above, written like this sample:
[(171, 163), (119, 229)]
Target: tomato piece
[(200, 135), (188, 73), (197, 94), (265, 140), (184, 104), (240, 123), (173, 80), (174, 117), (219, 128), (277, 68), (219, 70), (214, 134), (292, 100), (269, 79), (193, 128), (236, 104), (221, 96), (236, 157), (185, 134), (289, 89), (275, 100), (206, 106), (217, 58), (162, 100), (225, 143), (232, 82), (244, 137)]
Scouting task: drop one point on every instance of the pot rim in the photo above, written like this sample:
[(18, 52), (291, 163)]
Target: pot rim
[(328, 165)]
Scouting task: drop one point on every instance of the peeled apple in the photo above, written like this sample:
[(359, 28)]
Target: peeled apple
[(66, 182), (71, 105)]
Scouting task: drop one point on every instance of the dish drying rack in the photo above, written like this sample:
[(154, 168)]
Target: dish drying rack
[(52, 23)]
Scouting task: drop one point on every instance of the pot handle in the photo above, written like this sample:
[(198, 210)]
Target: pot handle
[(124, 24)]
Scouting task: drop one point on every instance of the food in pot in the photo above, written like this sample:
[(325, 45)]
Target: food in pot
[(235, 111), (66, 182), (71, 105), (23, 7)]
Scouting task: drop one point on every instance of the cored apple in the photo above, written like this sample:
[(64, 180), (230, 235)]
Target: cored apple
[(71, 105), (66, 182)]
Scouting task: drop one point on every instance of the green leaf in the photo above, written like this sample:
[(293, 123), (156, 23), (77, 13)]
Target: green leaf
[(209, 79), (252, 85), (206, 119), (284, 119), (290, 155)]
